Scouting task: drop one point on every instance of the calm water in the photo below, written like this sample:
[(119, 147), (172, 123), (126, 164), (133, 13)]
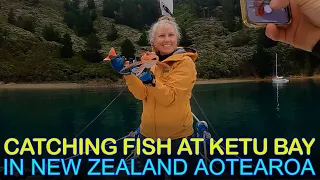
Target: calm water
[(234, 110)]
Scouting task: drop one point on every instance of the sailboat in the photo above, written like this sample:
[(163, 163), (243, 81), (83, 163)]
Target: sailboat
[(279, 79)]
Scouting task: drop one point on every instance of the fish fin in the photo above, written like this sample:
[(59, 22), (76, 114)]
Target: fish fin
[(111, 54)]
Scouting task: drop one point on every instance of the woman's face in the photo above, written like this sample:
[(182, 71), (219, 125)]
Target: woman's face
[(165, 39)]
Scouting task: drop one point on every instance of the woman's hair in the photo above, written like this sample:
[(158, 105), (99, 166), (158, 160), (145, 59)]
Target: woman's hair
[(165, 20)]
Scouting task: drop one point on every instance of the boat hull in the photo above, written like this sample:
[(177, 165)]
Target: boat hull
[(280, 80)]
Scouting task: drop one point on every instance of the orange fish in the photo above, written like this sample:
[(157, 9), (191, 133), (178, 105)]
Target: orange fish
[(148, 60)]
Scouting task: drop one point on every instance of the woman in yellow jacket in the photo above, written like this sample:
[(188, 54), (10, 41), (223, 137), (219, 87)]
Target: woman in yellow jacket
[(165, 93)]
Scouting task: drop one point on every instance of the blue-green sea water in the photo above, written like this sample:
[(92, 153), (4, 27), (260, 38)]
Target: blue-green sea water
[(251, 109)]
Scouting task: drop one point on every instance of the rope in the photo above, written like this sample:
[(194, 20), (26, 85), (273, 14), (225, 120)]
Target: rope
[(205, 149), (195, 117)]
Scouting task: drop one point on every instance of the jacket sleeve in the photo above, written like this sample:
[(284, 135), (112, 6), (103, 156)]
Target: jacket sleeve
[(181, 79), (136, 87)]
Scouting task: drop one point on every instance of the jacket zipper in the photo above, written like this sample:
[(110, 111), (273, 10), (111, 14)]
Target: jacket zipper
[(154, 110)]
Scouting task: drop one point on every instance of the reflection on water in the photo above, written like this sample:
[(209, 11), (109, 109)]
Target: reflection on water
[(278, 87)]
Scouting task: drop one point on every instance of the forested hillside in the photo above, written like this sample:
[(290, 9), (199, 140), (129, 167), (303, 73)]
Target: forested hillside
[(61, 40)]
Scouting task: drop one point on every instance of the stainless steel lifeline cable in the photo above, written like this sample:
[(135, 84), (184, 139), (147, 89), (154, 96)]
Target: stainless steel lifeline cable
[(93, 121)]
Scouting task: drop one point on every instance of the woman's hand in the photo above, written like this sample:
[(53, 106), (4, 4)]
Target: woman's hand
[(118, 63), (304, 30), (146, 76)]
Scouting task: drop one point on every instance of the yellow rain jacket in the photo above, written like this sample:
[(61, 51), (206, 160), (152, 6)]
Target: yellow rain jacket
[(166, 107)]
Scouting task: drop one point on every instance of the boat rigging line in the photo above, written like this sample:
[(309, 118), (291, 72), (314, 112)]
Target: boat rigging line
[(100, 113)]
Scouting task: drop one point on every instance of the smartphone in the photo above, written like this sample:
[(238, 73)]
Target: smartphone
[(257, 13)]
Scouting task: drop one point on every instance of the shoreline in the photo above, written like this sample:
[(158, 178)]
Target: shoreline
[(104, 84)]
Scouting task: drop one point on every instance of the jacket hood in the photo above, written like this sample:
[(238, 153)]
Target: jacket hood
[(181, 52)]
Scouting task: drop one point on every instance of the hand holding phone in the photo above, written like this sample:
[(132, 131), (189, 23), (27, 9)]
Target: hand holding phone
[(304, 30), (258, 13)]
